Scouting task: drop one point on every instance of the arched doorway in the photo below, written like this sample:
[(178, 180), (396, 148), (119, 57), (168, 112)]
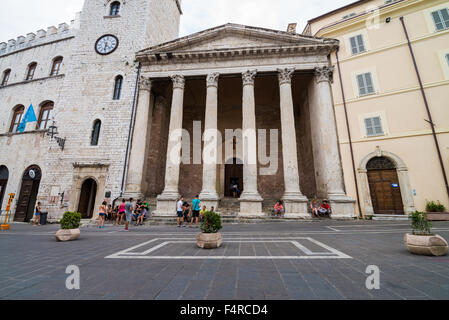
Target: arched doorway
[(234, 175), (384, 186), (28, 194), (88, 194), (4, 175)]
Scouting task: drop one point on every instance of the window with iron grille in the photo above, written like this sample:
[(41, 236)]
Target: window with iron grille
[(441, 19), (373, 126), (357, 44), (115, 8), (365, 83)]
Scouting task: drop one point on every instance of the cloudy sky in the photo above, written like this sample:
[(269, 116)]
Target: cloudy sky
[(19, 17)]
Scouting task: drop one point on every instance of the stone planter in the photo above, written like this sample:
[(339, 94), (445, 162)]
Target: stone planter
[(209, 240), (426, 245), (437, 216), (67, 235)]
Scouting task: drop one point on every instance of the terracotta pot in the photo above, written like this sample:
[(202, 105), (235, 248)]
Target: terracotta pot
[(209, 240), (68, 235), (426, 245)]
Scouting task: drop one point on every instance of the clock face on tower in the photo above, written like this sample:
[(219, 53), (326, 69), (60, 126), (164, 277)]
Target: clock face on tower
[(106, 44)]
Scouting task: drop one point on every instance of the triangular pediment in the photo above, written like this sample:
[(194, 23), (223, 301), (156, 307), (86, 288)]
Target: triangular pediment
[(234, 36)]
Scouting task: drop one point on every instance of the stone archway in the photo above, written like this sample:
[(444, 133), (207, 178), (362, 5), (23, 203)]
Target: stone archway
[(86, 205), (28, 194), (404, 182)]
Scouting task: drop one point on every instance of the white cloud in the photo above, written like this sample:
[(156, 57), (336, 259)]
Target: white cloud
[(19, 17)]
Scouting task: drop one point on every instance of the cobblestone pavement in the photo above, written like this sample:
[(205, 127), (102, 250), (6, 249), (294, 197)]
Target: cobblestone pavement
[(285, 260)]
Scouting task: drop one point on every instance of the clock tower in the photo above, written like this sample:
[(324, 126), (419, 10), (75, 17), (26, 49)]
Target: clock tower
[(99, 91)]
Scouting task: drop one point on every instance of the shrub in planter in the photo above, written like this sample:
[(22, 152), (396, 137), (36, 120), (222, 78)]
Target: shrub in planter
[(70, 224), (432, 206), (421, 241), (210, 238)]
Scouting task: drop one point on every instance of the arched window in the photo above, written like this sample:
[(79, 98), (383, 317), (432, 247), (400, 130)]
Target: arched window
[(31, 69), (95, 133), (16, 118), (5, 77), (118, 87), (45, 115), (57, 62), (115, 8)]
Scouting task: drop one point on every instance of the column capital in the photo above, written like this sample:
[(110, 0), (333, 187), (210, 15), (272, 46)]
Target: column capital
[(285, 75), (145, 83), (248, 77), (178, 81), (212, 79), (324, 74)]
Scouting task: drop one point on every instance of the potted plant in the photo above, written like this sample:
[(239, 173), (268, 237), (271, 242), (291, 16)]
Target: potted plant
[(210, 238), (421, 241), (70, 224), (436, 211)]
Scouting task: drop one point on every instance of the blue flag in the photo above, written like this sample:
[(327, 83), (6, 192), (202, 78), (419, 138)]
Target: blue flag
[(30, 116)]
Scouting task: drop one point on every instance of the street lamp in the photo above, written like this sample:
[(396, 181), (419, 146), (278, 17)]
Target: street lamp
[(52, 132)]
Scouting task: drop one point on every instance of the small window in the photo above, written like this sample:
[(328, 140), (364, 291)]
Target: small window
[(357, 44), (118, 87), (365, 82), (115, 8), (45, 115), (441, 19), (447, 59), (373, 127), (5, 77), (95, 133), (31, 70), (56, 66), (16, 118)]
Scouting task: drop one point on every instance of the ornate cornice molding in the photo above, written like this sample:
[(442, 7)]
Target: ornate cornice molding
[(285, 75), (212, 79), (178, 82), (145, 83), (248, 77), (324, 74)]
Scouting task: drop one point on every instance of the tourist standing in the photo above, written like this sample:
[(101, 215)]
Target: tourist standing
[(102, 215), (129, 213), (186, 212), (180, 211), (121, 212), (37, 215), (195, 210)]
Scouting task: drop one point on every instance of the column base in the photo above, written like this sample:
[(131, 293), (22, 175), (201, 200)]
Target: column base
[(343, 207), (296, 209), (135, 195), (251, 205), (166, 204), (209, 200)]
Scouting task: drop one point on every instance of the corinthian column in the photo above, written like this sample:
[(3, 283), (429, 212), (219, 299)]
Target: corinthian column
[(250, 201), (166, 202), (326, 149), (209, 196), (295, 201), (141, 128)]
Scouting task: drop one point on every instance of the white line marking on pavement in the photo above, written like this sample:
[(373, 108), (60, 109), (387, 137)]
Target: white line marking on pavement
[(333, 229)]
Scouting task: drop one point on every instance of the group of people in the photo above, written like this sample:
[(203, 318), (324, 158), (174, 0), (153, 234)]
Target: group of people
[(320, 210), (190, 213), (127, 211)]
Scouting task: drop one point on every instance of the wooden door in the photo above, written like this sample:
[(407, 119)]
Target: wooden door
[(385, 191), (24, 201), (233, 172), (87, 199)]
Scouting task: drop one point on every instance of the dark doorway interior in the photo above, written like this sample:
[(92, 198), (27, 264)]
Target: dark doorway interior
[(384, 187), (87, 198), (233, 175), (28, 194), (4, 175)]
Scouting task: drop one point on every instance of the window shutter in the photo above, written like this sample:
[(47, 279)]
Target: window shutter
[(369, 83), (437, 20), (447, 59), (361, 43), (377, 126), (362, 90), (369, 127), (373, 126), (445, 18), (353, 45)]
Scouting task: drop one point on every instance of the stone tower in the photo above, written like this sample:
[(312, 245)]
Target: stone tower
[(108, 34)]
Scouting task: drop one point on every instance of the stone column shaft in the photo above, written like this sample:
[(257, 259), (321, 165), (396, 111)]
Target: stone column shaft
[(141, 127), (250, 200), (326, 146), (295, 201), (167, 200), (209, 195)]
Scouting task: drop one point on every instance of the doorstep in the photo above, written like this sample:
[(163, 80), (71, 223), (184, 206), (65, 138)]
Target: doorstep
[(390, 217)]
